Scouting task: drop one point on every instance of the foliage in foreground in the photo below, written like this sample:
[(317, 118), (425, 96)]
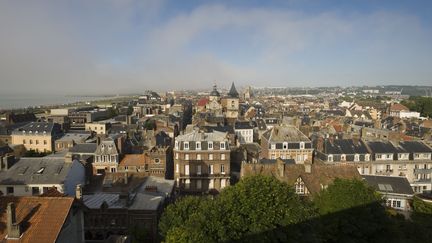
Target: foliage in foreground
[(263, 209)]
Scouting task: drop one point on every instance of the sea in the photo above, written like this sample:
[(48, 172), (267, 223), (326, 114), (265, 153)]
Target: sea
[(23, 101)]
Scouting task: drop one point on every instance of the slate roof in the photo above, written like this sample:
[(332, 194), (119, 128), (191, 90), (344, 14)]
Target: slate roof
[(201, 136), (106, 147), (44, 216), (214, 91), (94, 201), (344, 146), (273, 161), (84, 148), (285, 133), (36, 171), (415, 147), (243, 125), (233, 92), (37, 128), (399, 185), (381, 147)]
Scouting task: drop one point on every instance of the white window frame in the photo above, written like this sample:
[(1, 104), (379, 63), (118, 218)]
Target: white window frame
[(367, 157), (199, 171), (210, 145), (198, 146), (198, 157), (210, 156), (223, 157), (222, 168), (356, 157), (211, 171), (186, 145), (186, 157), (330, 158), (177, 168), (176, 145), (302, 145), (222, 146)]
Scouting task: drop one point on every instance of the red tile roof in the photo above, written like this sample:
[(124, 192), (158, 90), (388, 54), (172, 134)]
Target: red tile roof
[(398, 107), (203, 102), (44, 216), (134, 160)]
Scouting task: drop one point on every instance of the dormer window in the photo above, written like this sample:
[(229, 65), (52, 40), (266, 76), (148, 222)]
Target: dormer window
[(285, 145), (222, 145), (210, 145), (343, 157), (356, 157), (186, 145), (330, 158), (198, 146), (367, 157), (302, 145)]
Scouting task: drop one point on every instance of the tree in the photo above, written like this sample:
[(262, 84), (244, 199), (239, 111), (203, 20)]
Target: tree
[(351, 211), (257, 208)]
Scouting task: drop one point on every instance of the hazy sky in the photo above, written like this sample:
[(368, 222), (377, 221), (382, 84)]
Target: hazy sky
[(92, 46)]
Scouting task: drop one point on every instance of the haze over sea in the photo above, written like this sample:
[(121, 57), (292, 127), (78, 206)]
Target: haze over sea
[(22, 101)]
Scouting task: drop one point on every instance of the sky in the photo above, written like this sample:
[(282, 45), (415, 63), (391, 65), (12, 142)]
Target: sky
[(117, 47)]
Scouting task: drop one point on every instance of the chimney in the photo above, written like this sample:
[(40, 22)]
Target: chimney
[(126, 178), (308, 168), (78, 192), (13, 228)]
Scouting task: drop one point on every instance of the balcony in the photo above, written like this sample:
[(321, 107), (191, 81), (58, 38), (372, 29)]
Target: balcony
[(384, 172), (422, 171)]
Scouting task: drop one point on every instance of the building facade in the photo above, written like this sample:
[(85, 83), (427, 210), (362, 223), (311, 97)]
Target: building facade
[(202, 161)]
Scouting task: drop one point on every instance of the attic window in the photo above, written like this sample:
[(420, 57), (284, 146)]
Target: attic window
[(385, 187), (41, 170)]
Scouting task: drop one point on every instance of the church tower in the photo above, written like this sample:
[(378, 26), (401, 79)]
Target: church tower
[(232, 104)]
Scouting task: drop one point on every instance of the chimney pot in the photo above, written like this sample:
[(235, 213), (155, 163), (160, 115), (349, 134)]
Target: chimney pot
[(78, 192)]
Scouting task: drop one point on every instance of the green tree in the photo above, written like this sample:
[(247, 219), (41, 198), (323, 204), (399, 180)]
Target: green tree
[(258, 208), (351, 211)]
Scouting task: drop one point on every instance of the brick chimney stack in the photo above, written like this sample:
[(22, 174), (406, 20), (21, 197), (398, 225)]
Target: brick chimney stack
[(13, 228)]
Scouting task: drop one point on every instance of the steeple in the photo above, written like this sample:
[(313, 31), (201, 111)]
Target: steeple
[(233, 92)]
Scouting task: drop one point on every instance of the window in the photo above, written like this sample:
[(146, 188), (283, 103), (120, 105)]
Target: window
[(31, 141), (285, 145), (45, 142), (9, 190), (176, 145), (222, 169), (186, 157), (146, 167), (186, 145), (299, 188), (198, 169), (222, 156), (273, 146), (37, 141), (113, 170), (187, 183), (198, 157), (210, 157), (186, 169), (176, 155), (157, 161), (24, 141), (198, 184), (330, 158), (210, 145), (343, 157), (389, 156), (378, 156), (211, 184), (367, 157), (223, 183), (222, 145), (198, 145), (35, 191), (210, 169), (302, 145), (177, 168), (356, 157)]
